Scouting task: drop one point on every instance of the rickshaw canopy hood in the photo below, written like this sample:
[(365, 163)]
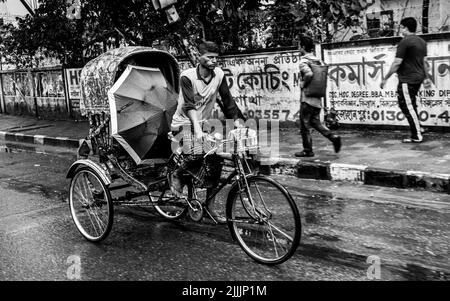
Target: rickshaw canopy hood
[(100, 74)]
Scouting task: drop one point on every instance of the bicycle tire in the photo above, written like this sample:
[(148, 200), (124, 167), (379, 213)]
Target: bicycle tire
[(254, 235), (86, 198)]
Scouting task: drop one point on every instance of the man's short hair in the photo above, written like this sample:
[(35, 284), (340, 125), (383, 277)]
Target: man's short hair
[(307, 43), (208, 46), (409, 23)]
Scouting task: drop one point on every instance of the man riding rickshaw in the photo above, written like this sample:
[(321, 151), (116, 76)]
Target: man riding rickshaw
[(132, 100)]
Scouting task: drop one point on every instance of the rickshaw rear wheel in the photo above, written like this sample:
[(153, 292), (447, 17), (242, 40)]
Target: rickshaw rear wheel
[(91, 204)]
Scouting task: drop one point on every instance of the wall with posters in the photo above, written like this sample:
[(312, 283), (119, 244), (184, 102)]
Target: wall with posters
[(38, 92), (354, 85), (17, 93), (264, 85)]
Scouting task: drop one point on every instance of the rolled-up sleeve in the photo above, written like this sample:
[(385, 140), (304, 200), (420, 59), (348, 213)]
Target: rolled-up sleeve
[(188, 94)]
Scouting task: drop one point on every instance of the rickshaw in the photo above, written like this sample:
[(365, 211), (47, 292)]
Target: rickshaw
[(129, 96)]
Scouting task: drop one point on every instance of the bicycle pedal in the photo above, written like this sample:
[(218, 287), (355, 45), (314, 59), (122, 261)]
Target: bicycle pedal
[(195, 210)]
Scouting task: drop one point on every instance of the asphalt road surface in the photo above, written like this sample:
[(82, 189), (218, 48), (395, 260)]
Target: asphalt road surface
[(350, 232)]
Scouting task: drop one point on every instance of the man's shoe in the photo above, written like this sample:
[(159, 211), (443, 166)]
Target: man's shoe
[(304, 154), (411, 140), (336, 143)]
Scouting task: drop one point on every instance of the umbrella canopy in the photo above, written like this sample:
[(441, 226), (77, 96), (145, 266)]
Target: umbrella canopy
[(142, 105)]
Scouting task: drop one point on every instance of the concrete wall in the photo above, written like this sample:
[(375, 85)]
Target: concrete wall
[(356, 70), (39, 93), (266, 85)]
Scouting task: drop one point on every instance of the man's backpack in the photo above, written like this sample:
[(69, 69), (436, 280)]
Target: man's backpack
[(317, 87)]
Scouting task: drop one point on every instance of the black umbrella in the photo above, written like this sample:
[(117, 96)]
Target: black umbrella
[(142, 105)]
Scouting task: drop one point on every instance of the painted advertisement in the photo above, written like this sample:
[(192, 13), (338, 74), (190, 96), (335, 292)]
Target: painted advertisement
[(354, 90), (265, 86), (50, 97), (73, 90), (17, 93)]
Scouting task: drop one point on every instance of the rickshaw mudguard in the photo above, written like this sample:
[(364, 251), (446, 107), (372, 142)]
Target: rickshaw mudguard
[(102, 173)]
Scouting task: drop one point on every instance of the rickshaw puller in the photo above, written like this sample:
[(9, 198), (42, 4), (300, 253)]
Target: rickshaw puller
[(199, 89)]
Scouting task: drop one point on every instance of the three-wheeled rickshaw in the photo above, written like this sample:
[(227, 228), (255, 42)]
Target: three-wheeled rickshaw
[(129, 95)]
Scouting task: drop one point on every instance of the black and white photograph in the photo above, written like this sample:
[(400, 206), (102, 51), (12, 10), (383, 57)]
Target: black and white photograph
[(224, 149)]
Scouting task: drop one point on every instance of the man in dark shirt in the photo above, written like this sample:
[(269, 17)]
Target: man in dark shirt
[(412, 69)]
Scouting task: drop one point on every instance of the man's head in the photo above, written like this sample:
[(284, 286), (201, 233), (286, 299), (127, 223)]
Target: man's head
[(306, 44), (408, 26), (208, 54)]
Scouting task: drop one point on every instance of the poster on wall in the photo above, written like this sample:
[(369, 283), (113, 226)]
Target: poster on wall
[(73, 89), (354, 90), (23, 84), (17, 93), (73, 82), (9, 87), (50, 94), (50, 84), (265, 85)]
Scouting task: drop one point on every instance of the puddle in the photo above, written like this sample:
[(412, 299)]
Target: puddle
[(26, 187), (28, 128)]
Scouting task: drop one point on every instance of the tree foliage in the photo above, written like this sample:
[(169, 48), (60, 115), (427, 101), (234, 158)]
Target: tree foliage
[(234, 24), (102, 24)]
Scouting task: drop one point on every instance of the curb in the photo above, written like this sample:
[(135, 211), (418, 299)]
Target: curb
[(40, 139), (357, 173), (317, 170)]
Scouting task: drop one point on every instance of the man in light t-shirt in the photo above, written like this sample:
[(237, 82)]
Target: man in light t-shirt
[(200, 87)]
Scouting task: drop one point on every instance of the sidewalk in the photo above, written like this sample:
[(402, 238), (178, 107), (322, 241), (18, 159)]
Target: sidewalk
[(368, 157)]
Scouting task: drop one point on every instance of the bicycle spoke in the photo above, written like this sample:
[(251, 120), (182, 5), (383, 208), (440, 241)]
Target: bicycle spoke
[(99, 221), (92, 222), (280, 231)]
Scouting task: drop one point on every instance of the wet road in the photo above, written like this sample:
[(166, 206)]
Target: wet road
[(344, 224)]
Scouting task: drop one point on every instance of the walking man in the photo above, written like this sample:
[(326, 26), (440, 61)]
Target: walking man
[(310, 106), (412, 69)]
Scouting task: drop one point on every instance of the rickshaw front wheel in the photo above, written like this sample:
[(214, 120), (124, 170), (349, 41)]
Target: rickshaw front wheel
[(91, 204)]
